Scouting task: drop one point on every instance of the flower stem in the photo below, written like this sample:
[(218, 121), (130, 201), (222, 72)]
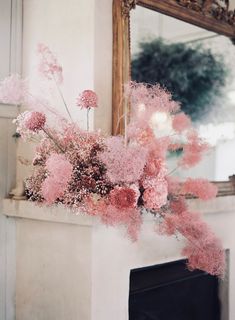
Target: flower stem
[(52, 138), (87, 119), (63, 99)]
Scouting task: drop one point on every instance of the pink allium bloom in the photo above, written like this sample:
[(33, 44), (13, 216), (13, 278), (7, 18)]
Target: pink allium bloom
[(34, 121), (49, 66), (87, 99), (181, 122), (60, 171), (124, 197), (200, 188), (155, 196), (193, 150), (13, 90), (124, 164)]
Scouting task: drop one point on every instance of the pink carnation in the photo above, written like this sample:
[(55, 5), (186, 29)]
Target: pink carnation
[(181, 122), (155, 195), (87, 99), (13, 90), (124, 197), (34, 121), (49, 66), (155, 167), (200, 188)]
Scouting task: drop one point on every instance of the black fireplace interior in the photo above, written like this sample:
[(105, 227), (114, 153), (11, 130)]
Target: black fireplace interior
[(171, 292)]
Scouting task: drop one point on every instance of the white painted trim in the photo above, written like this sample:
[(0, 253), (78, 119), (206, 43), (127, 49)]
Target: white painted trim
[(8, 111)]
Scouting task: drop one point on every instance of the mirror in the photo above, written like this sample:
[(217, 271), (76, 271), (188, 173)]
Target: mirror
[(153, 40), (197, 66)]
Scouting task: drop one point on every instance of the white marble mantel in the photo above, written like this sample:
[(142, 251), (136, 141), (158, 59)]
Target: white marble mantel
[(72, 267)]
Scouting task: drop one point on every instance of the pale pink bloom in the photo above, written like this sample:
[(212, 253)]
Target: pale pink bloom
[(200, 188), (123, 163), (34, 121), (124, 197), (52, 190), (60, 171), (49, 66), (155, 167), (87, 99), (13, 90), (193, 150), (181, 122), (59, 167), (155, 194)]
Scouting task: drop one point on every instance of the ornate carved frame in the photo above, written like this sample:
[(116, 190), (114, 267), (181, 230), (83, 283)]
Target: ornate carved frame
[(207, 14), (203, 13)]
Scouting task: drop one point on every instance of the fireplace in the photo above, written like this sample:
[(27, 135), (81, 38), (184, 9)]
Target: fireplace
[(170, 291)]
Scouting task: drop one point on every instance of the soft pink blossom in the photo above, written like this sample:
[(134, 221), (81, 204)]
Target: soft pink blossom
[(155, 167), (124, 197), (13, 90), (155, 194), (60, 171), (49, 66), (123, 163), (34, 121), (181, 122), (200, 188), (87, 99)]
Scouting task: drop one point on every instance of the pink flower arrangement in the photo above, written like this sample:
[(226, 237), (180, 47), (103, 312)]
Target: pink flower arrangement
[(117, 179), (13, 90)]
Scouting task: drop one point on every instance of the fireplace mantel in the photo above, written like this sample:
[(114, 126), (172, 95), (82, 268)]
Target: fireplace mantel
[(71, 266), (28, 210)]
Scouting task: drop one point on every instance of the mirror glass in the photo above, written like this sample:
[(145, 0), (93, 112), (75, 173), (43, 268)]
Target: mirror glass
[(198, 67)]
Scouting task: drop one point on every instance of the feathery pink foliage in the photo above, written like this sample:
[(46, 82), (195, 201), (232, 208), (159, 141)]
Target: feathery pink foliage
[(181, 122), (203, 248), (193, 150), (60, 171), (123, 163), (13, 90), (200, 188), (49, 66), (87, 99), (154, 98)]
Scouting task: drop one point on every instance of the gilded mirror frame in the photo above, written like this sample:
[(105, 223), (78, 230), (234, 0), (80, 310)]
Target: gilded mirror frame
[(206, 14)]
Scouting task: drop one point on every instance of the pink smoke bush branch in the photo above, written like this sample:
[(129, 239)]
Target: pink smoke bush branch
[(116, 178)]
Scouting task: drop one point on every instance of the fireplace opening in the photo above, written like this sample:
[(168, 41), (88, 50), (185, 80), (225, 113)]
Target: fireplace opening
[(171, 292)]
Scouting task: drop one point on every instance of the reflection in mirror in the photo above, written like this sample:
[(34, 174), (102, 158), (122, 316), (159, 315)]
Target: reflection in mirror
[(197, 67)]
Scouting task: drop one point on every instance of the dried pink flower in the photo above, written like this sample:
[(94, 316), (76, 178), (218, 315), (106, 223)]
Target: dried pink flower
[(155, 194), (49, 66), (123, 163), (200, 188), (60, 171), (34, 121), (181, 122), (87, 99), (124, 197), (13, 90), (193, 150)]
